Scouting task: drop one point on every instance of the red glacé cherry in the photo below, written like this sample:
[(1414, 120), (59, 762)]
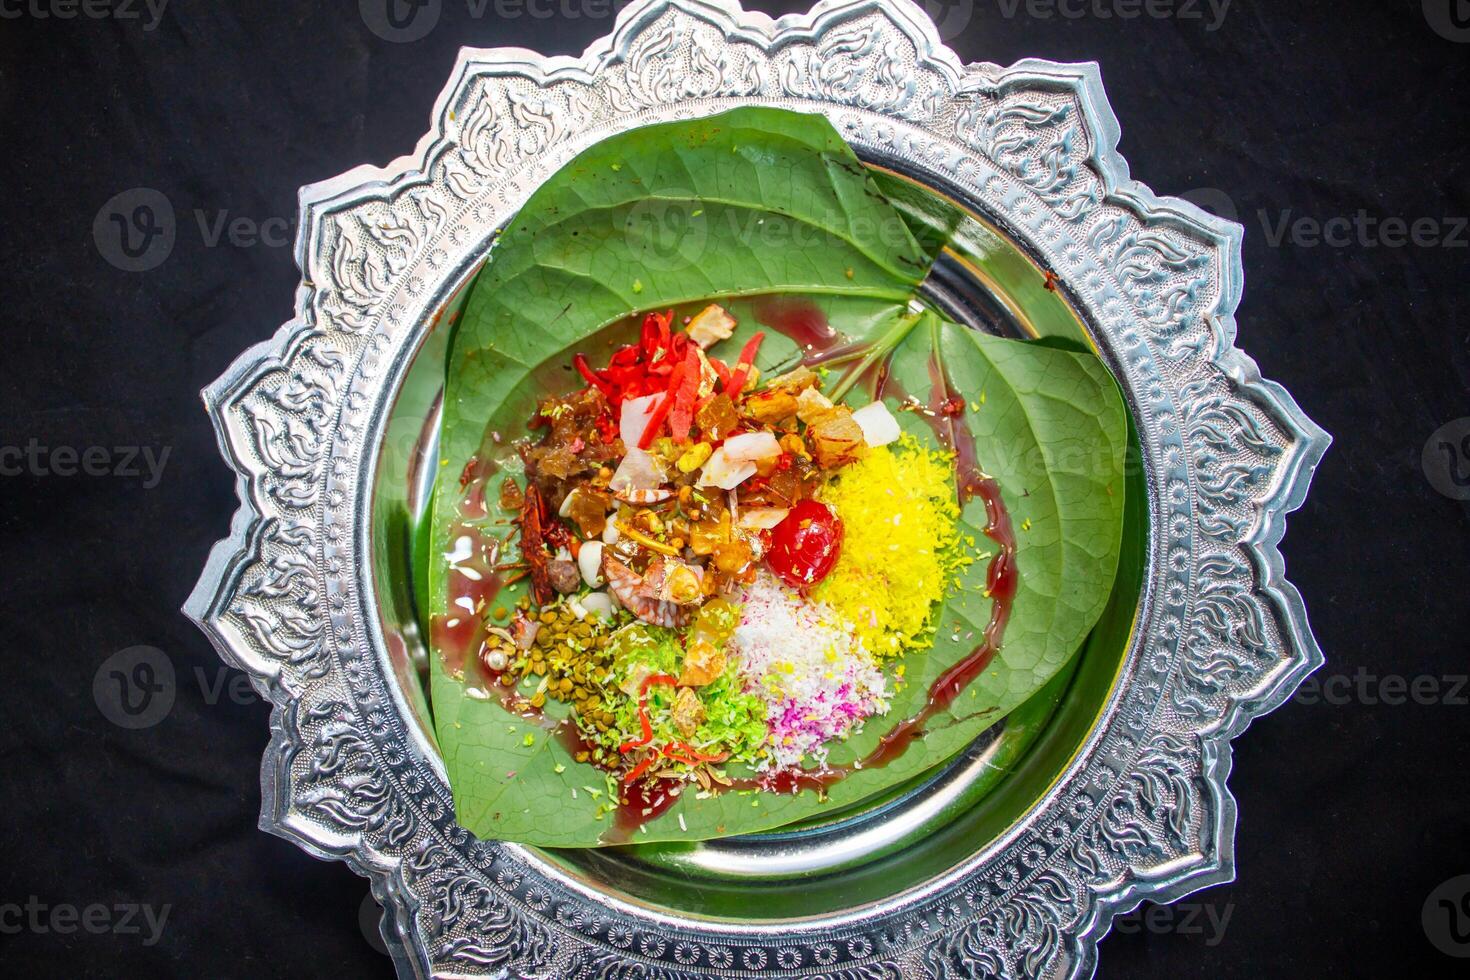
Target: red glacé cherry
[(805, 545)]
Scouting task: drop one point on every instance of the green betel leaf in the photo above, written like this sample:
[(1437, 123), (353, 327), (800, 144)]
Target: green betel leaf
[(767, 203)]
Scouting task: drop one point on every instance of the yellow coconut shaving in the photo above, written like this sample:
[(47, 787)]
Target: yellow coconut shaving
[(901, 547)]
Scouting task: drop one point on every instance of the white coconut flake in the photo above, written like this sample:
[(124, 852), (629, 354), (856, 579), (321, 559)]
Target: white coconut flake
[(878, 424), (818, 681), (635, 417)]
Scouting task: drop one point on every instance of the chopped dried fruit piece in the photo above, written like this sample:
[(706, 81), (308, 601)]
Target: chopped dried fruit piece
[(564, 574), (638, 471), (837, 440), (688, 712), (703, 662), (794, 381), (635, 417), (511, 498), (733, 557), (752, 446), (771, 406), (795, 445), (706, 534), (682, 583), (588, 508), (812, 406), (633, 591), (761, 518), (717, 418), (711, 325)]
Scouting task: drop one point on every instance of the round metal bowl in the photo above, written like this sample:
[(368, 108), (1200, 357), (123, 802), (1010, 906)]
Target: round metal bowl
[(1107, 788)]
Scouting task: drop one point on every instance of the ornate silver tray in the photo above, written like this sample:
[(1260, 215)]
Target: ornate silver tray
[(330, 432)]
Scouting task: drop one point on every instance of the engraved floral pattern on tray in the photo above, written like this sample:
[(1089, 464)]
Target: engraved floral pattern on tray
[(1144, 811)]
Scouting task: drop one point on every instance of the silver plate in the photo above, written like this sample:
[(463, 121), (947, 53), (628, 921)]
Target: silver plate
[(313, 418)]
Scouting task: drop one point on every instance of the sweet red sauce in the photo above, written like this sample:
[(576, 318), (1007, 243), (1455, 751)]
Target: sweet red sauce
[(569, 735), (642, 802), (800, 319), (472, 481), (945, 412), (473, 578), (792, 781), (804, 323)]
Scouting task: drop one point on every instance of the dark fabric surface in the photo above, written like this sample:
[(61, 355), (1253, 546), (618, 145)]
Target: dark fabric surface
[(1353, 808)]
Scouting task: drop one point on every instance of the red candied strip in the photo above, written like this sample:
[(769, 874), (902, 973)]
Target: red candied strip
[(742, 369), (690, 756), (661, 349), (683, 415), (655, 333), (645, 725), (640, 769), (591, 376), (662, 411), (643, 721), (721, 371)]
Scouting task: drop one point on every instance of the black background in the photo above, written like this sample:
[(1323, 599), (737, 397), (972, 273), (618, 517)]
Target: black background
[(1351, 813)]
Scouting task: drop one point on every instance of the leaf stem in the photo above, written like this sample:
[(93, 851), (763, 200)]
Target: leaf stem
[(881, 348), (794, 361)]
